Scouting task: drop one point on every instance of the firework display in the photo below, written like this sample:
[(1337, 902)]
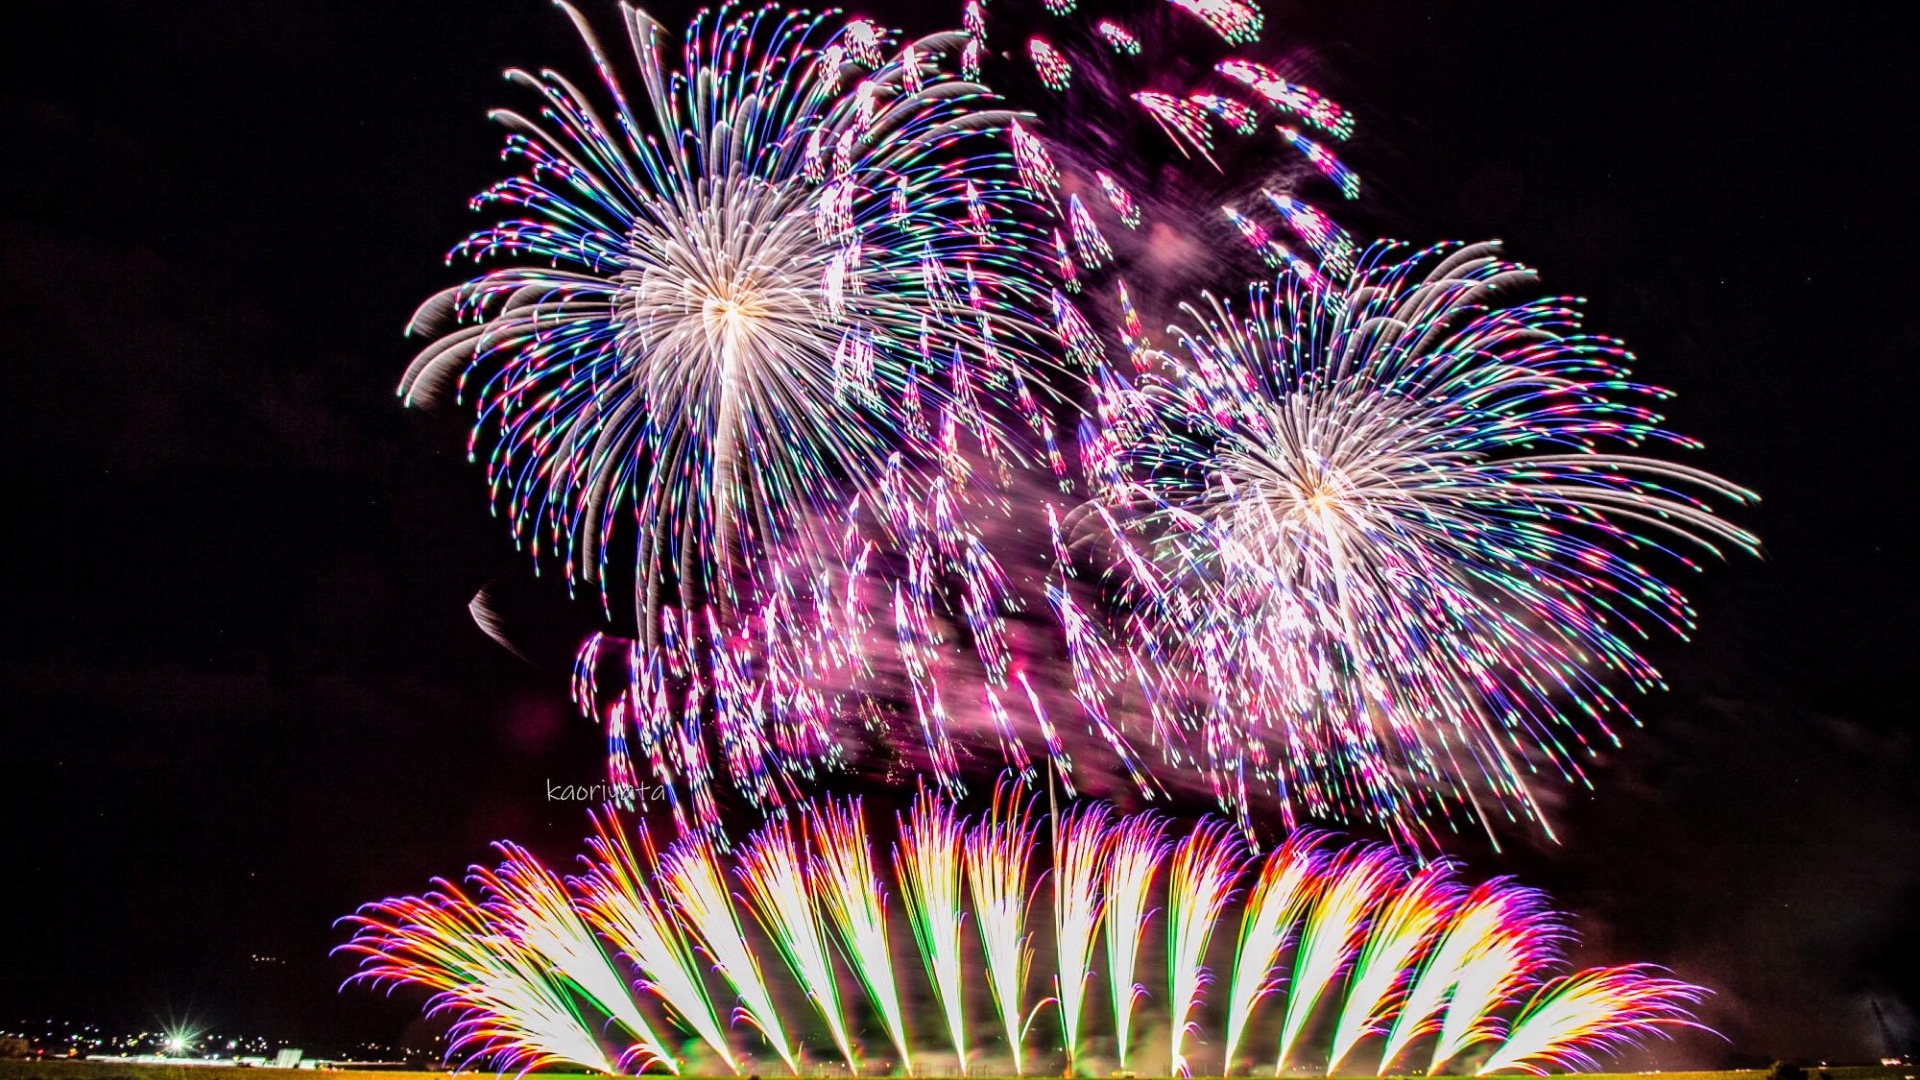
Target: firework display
[(857, 904), (777, 891), (1406, 962), (729, 299), (1138, 849), (1280, 889), (1200, 876), (799, 323), (1375, 550), (894, 380), (1400, 531), (928, 863), (999, 854), (1082, 844)]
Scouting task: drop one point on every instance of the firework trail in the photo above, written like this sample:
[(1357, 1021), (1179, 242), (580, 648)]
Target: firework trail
[(1334, 927), (1476, 933), (1200, 880), (1396, 939), (525, 966), (1139, 847), (1191, 124), (1083, 840), (1495, 974), (856, 902), (536, 910), (778, 892), (999, 856), (886, 647), (1595, 1010), (614, 899), (510, 1010), (1288, 881), (690, 875), (1373, 552), (1396, 524), (927, 860), (722, 307)]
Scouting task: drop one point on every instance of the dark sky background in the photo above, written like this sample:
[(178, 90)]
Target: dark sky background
[(241, 690)]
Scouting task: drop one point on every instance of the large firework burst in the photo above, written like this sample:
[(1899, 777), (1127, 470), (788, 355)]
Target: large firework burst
[(732, 297), (1401, 532)]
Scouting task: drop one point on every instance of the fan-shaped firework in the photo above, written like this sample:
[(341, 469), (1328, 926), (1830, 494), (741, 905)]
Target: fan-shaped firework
[(1400, 534), (1406, 959), (730, 295)]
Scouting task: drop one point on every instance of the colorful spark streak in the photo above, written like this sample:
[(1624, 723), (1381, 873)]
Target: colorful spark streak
[(1082, 846), (999, 856), (1139, 847), (1282, 888), (1398, 525), (927, 861), (689, 872), (1200, 880), (527, 963), (715, 301), (1597, 1010), (856, 901), (614, 898), (778, 893)]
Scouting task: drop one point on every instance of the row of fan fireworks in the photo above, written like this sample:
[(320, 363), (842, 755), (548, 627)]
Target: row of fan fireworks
[(1401, 964), (795, 331)]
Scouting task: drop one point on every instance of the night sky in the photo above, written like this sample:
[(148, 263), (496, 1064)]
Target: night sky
[(241, 689)]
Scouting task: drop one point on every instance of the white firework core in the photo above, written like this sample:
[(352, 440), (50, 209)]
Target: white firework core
[(739, 302)]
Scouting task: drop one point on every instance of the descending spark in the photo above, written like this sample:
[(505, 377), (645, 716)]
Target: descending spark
[(1304, 102), (1233, 20), (1117, 38), (1055, 72), (690, 877), (856, 902), (1139, 846), (1234, 113), (616, 901), (1087, 238), (1285, 885), (1183, 121), (1122, 203), (1082, 846), (1272, 252), (999, 853), (1199, 882), (777, 891), (1037, 169), (1602, 1009), (1329, 241), (927, 859), (1323, 159)]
